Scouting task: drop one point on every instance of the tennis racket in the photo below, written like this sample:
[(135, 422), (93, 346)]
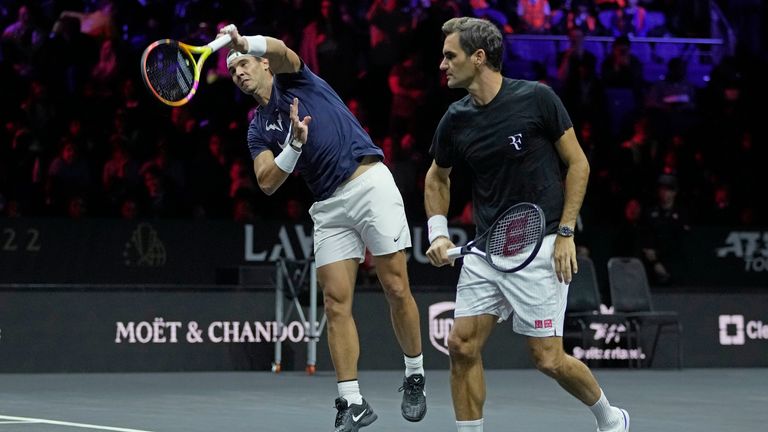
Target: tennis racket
[(170, 70), (511, 242)]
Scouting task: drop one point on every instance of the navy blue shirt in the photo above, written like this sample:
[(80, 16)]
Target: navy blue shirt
[(336, 143)]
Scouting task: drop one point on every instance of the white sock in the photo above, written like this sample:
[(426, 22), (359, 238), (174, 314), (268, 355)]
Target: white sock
[(604, 413), (470, 425), (350, 390), (414, 365)]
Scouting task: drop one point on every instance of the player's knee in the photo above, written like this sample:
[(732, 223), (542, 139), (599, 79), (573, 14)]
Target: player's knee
[(548, 363), (336, 307), (395, 286), (462, 349)]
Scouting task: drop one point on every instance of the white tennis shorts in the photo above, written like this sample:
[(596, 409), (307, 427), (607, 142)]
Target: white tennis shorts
[(365, 212), (533, 295)]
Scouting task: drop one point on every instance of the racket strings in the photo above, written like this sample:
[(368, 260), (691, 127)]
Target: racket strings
[(514, 237), (170, 72)]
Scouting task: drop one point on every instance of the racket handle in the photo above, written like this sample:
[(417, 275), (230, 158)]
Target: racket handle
[(220, 43), (454, 253)]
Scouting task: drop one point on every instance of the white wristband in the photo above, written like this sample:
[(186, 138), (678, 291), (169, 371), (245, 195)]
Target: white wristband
[(287, 159), (257, 45), (438, 227)]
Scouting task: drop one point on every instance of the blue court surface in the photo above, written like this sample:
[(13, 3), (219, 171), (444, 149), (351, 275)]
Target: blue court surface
[(693, 400)]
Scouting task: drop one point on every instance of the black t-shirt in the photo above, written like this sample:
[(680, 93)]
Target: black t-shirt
[(509, 146)]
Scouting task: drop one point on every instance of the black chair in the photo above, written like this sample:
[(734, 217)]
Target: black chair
[(631, 297), (584, 301)]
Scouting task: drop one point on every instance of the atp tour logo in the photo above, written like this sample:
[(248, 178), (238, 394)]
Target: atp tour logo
[(440, 323), (751, 246), (733, 330)]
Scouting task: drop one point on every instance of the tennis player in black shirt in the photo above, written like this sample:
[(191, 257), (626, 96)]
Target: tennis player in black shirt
[(513, 135)]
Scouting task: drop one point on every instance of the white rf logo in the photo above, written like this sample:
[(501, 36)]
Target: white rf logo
[(516, 140)]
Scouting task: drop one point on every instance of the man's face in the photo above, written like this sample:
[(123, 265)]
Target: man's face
[(249, 73), (457, 65)]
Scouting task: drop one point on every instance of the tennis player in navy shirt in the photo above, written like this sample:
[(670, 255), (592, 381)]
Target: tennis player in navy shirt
[(301, 124)]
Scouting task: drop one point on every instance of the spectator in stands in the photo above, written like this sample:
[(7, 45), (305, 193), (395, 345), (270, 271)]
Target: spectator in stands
[(294, 211), (120, 174), (622, 69), (240, 178), (407, 84), (165, 163), (634, 162), (582, 15), (481, 9), (630, 20), (23, 168), (667, 224), (603, 5), (68, 175), (571, 59), (242, 210), (671, 102), (41, 112), (21, 40), (129, 208), (407, 170), (631, 238), (105, 74), (582, 90), (675, 92), (66, 57), (534, 15), (722, 211), (77, 207), (390, 32), (98, 24), (589, 142), (161, 198), (209, 187), (328, 47)]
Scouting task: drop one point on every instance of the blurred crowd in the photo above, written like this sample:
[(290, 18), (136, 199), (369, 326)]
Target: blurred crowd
[(81, 137)]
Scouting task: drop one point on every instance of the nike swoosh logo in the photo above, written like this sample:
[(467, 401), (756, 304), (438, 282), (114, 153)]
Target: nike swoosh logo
[(396, 239), (355, 418)]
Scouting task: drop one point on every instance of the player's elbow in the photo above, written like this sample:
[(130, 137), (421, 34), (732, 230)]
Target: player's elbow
[(268, 187), (584, 166), (268, 190)]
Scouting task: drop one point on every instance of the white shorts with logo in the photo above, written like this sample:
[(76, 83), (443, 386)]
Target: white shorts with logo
[(365, 212), (533, 295)]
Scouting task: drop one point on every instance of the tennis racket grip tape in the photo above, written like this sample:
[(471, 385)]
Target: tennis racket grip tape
[(220, 43), (454, 253)]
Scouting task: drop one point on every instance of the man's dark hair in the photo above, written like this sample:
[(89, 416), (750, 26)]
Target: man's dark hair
[(475, 34)]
